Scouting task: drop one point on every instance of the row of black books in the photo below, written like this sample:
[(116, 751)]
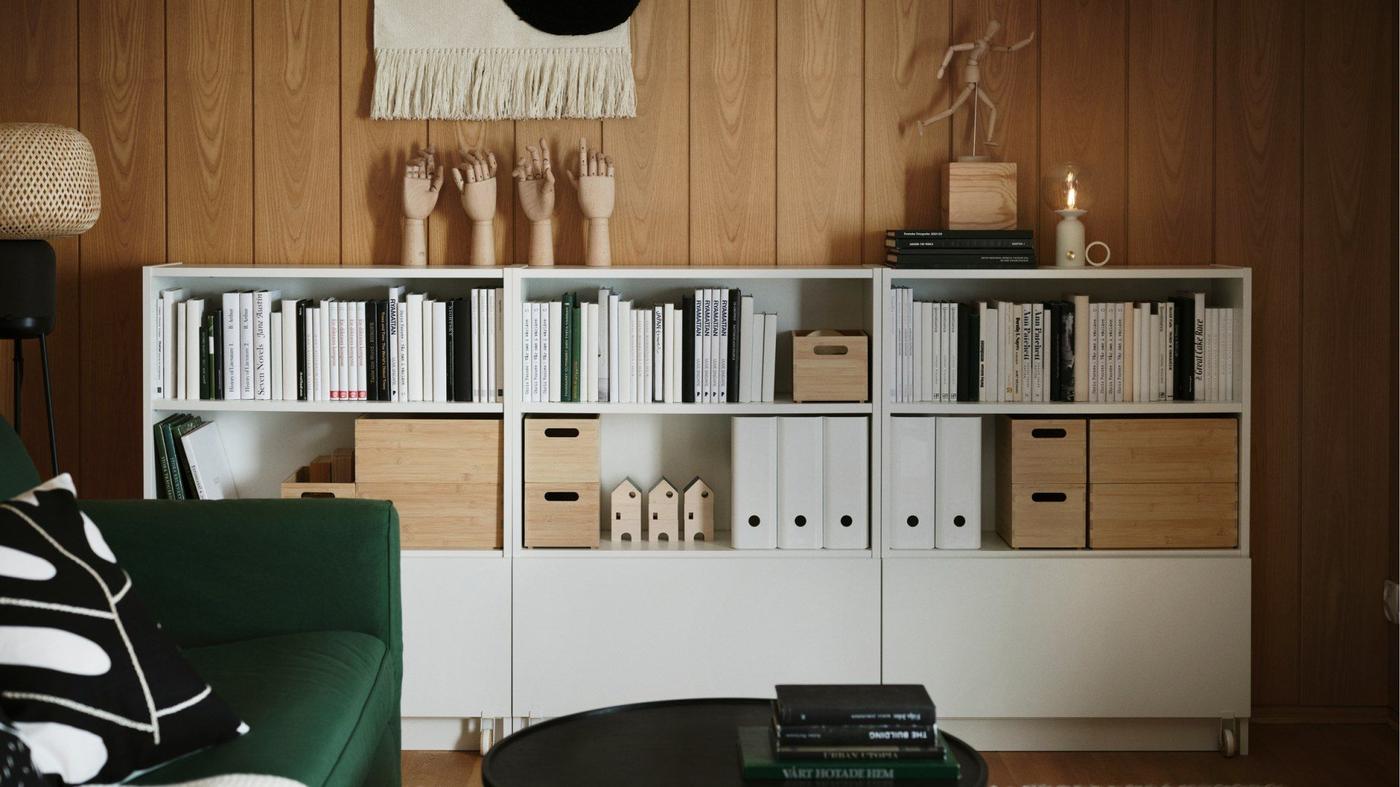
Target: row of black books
[(951, 249), (849, 732)]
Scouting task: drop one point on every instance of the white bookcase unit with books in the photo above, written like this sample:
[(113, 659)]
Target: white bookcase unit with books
[(1021, 648)]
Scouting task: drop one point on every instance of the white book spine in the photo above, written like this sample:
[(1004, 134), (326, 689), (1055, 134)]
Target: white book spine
[(950, 343), (920, 328), (603, 320), (667, 341), (171, 359), (344, 310), (891, 331), (756, 347), (1037, 351), (611, 393), (233, 388), (157, 380), (361, 353), (745, 340), (308, 349), (395, 329), (658, 343), (182, 372), (622, 382), (289, 350), (245, 346), (439, 351), (674, 356), (698, 356), (429, 337), (323, 352), (402, 371), (275, 365), (770, 354), (547, 368), (496, 333), (414, 310), (261, 328)]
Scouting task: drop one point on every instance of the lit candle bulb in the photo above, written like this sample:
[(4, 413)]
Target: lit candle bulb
[(1069, 233)]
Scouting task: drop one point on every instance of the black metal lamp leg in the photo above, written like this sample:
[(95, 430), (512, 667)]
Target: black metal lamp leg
[(48, 402), (19, 380)]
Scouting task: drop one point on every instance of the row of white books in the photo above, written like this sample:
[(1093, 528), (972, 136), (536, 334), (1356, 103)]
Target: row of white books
[(712, 347), (1070, 350), (255, 345)]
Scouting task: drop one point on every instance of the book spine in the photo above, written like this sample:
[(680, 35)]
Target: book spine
[(864, 753), (658, 355), (908, 260), (920, 736), (733, 313), (962, 234), (688, 348), (956, 245)]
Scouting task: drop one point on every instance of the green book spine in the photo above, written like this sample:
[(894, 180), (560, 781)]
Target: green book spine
[(756, 753), (566, 341), (184, 480), (162, 462), (167, 430), (577, 347)]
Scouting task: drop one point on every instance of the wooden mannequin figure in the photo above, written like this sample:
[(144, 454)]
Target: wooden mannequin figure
[(421, 183), (663, 512), (596, 198), (971, 78), (534, 182), (625, 518), (699, 522), (476, 178)]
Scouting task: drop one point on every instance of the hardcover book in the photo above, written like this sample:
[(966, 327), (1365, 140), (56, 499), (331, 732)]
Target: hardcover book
[(760, 761), (854, 704)]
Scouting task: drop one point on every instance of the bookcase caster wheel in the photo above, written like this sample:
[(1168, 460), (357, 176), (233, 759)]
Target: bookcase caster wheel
[(1229, 741)]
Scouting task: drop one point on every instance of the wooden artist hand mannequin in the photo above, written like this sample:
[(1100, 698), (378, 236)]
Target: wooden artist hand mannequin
[(971, 78), (476, 178), (596, 197), (421, 183), (534, 182)]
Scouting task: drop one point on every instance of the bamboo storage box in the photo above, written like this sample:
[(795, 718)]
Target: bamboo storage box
[(299, 484), (830, 366), (1041, 482), (562, 499), (1163, 483), (444, 476)]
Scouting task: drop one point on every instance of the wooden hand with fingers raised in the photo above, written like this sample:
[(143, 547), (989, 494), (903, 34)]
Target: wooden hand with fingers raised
[(476, 177), (534, 182), (596, 197), (421, 183)]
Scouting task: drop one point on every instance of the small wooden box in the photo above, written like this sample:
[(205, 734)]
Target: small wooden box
[(1042, 452), (1163, 450), (1031, 516), (299, 484), (561, 450), (428, 450), (830, 366), (442, 516), (1164, 516), (562, 515), (979, 195)]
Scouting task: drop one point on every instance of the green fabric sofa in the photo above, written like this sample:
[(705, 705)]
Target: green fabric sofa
[(289, 608)]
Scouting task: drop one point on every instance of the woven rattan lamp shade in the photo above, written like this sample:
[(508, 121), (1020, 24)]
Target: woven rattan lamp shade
[(48, 181)]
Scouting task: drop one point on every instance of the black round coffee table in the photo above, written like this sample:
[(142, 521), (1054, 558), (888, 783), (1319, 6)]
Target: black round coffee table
[(677, 743)]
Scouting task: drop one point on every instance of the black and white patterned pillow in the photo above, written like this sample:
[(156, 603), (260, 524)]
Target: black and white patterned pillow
[(88, 682)]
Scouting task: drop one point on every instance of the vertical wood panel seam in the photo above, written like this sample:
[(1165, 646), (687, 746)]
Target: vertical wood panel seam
[(1127, 127), (340, 125), (777, 126), (1298, 338), (1214, 120), (253, 125), (165, 119)]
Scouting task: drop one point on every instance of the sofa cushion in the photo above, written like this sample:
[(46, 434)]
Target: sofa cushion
[(317, 703)]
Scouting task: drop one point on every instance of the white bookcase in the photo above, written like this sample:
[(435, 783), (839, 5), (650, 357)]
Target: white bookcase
[(1021, 649)]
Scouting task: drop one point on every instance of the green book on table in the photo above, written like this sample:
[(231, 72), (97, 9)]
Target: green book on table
[(760, 762)]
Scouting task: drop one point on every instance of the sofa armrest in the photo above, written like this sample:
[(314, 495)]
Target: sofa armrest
[(221, 571)]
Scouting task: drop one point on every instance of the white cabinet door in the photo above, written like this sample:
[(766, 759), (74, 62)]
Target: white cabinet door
[(456, 635), (593, 632), (1066, 637)]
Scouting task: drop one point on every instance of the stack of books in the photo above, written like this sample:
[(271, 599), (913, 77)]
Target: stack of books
[(848, 732), (924, 249)]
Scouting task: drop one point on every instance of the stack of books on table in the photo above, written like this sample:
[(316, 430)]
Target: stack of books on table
[(950, 249), (848, 732)]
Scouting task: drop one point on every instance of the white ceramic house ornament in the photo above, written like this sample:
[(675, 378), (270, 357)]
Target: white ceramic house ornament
[(699, 518), (625, 516), (663, 512)]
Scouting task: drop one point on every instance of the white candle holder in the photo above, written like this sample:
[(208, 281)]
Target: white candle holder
[(1069, 239)]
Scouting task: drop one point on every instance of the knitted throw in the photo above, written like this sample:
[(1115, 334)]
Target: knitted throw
[(476, 60)]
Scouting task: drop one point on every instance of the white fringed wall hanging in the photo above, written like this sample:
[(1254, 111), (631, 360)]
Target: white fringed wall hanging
[(476, 60)]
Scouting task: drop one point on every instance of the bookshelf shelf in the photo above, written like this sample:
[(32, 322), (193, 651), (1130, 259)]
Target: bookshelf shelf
[(485, 629), (244, 406), (1060, 409)]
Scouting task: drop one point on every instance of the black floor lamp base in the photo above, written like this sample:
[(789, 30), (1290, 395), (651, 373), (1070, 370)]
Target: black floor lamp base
[(27, 303)]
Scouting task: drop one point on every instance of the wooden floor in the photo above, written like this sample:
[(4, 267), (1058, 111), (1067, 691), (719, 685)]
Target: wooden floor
[(1296, 755)]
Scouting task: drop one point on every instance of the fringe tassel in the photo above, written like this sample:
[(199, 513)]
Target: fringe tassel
[(500, 84)]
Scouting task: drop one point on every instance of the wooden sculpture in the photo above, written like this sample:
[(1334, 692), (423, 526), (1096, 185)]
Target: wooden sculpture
[(534, 183), (972, 83), (476, 178), (421, 183), (699, 522), (625, 516), (596, 197), (663, 512)]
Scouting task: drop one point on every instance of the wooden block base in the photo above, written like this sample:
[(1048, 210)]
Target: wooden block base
[(979, 195)]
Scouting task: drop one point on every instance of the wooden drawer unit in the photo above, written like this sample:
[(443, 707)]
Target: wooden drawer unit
[(562, 515), (561, 450), (443, 475), (1164, 516), (442, 516), (1041, 452), (1163, 483), (1031, 516), (428, 450), (1163, 450)]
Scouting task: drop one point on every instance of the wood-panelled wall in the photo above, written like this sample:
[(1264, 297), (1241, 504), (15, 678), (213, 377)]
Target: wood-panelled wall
[(1247, 132)]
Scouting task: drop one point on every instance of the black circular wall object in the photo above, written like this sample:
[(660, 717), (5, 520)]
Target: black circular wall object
[(572, 19)]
